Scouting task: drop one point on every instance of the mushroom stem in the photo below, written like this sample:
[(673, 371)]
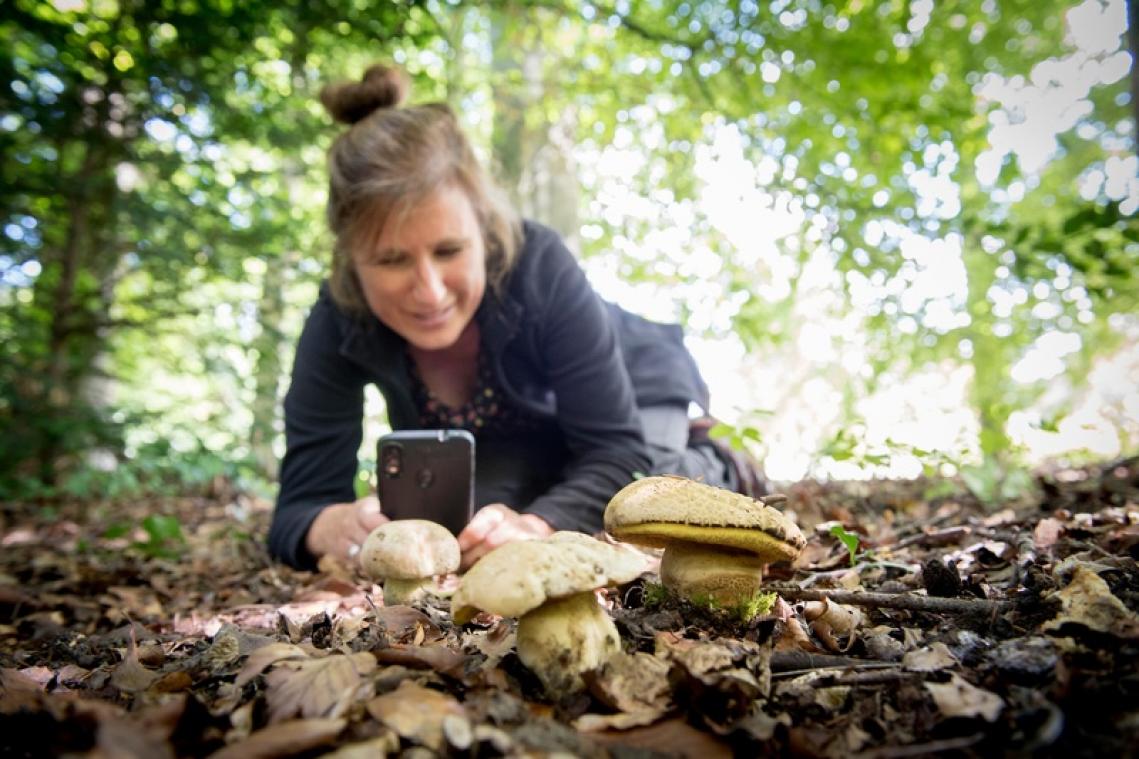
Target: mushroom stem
[(404, 592), (693, 571), (563, 638)]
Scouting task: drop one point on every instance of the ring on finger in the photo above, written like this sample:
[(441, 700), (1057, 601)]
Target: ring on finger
[(353, 550)]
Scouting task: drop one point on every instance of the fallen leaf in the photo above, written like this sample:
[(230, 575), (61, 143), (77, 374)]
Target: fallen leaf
[(130, 676), (673, 737), (932, 658), (317, 687), (18, 692), (284, 739), (829, 618), (494, 643), (385, 745), (960, 698), (1088, 601), (633, 684), (416, 713), (264, 656), (439, 658), (1047, 532)]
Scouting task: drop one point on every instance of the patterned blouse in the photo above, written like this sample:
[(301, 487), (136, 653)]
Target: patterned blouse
[(488, 413)]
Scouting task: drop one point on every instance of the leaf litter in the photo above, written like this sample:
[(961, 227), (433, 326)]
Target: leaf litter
[(915, 622)]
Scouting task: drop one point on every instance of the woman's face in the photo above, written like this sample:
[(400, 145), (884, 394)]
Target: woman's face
[(424, 275)]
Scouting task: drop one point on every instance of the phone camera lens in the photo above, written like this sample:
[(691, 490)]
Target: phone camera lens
[(391, 462)]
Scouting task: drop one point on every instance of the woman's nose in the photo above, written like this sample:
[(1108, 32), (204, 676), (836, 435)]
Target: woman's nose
[(429, 287)]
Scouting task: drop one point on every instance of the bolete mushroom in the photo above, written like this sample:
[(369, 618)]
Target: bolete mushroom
[(716, 542), (407, 554), (548, 585)]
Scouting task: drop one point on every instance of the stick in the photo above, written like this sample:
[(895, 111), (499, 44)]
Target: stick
[(799, 662), (895, 600)]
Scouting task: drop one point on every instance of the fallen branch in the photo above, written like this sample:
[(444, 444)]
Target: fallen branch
[(799, 662), (907, 601)]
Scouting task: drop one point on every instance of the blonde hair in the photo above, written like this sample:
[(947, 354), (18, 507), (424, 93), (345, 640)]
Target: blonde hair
[(391, 158)]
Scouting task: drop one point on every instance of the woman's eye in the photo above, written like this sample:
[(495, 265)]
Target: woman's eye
[(448, 251)]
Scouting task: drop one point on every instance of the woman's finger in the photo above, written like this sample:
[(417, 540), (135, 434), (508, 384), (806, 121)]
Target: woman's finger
[(483, 523)]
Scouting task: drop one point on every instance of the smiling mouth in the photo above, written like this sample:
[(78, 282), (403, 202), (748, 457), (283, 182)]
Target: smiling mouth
[(434, 318)]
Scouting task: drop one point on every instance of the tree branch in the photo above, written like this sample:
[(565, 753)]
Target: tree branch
[(906, 601)]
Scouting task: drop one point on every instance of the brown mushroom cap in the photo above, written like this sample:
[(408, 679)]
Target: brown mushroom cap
[(409, 549), (520, 576), (660, 511)]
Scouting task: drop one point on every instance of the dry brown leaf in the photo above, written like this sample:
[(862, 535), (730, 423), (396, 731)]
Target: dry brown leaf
[(590, 723), (1047, 532), (416, 713), (130, 676), (317, 687), (403, 624), (376, 748), (494, 643), (439, 658), (795, 638), (633, 683), (960, 698), (673, 737), (18, 692), (932, 658), (284, 739), (1087, 600), (828, 619), (264, 656)]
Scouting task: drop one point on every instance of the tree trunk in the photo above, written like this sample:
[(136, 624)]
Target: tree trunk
[(267, 371)]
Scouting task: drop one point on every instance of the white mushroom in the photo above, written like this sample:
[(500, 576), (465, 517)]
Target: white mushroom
[(407, 554), (548, 585)]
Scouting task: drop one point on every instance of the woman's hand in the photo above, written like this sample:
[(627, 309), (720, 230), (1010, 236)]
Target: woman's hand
[(340, 529), (494, 525)]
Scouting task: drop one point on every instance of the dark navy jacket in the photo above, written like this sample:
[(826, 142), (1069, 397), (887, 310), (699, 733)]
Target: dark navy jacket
[(580, 365)]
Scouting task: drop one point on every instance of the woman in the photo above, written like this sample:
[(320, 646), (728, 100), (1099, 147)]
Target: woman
[(464, 316)]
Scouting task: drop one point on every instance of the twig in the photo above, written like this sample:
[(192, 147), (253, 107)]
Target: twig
[(801, 662), (816, 576), (895, 600), (922, 749), (865, 678)]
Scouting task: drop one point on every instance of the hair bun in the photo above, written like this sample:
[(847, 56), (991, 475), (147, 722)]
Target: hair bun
[(380, 87)]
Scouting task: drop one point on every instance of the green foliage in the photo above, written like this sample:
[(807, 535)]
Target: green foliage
[(746, 610), (848, 539), (161, 191), (737, 437), (994, 483), (164, 538), (655, 594)]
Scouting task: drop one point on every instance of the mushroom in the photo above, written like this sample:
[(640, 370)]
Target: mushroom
[(548, 585), (407, 554), (715, 542)]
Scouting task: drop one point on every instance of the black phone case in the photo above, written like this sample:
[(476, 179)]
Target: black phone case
[(428, 474)]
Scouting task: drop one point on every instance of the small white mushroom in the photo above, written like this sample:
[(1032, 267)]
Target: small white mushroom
[(407, 554), (548, 585)]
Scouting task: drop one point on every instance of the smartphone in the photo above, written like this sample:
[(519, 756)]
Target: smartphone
[(428, 474)]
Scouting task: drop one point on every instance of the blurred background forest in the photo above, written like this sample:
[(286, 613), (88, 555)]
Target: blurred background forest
[(902, 233)]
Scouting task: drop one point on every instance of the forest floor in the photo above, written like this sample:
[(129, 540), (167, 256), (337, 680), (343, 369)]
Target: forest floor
[(953, 630)]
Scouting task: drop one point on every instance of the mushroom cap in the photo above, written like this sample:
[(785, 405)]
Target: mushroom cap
[(520, 576), (409, 549), (659, 511)]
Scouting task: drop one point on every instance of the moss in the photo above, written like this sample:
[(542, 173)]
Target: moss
[(654, 594), (744, 611)]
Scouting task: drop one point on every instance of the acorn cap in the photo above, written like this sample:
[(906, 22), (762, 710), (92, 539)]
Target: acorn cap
[(521, 576), (659, 511), (409, 549)]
